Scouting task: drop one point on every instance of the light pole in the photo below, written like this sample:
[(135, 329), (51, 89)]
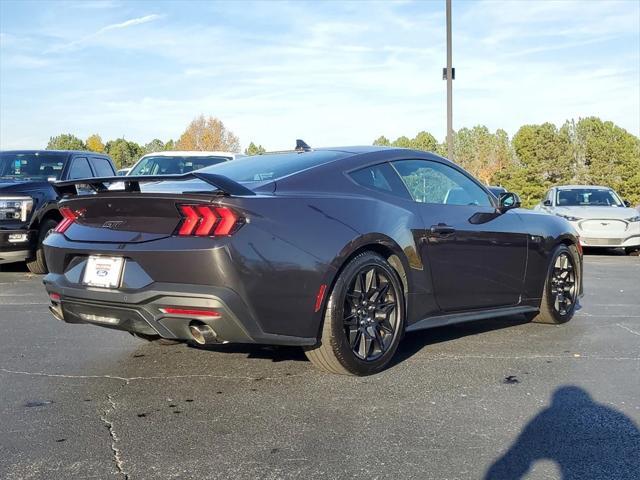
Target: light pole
[(449, 75)]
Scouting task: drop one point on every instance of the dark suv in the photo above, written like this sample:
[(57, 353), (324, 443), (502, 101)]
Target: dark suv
[(28, 202)]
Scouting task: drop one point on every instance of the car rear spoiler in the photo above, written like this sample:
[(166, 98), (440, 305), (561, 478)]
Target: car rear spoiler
[(225, 185)]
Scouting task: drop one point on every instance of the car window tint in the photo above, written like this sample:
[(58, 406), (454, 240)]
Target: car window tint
[(174, 165), (573, 197), (36, 165), (102, 167), (381, 177), (269, 167), (80, 169), (434, 182)]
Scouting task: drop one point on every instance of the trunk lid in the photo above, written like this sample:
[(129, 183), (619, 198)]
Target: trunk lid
[(123, 219), (144, 208)]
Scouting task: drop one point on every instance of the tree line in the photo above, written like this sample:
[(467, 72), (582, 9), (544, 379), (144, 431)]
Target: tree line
[(203, 133), (586, 151)]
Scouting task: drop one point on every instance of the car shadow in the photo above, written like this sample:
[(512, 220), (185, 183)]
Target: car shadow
[(605, 252), (265, 352), (14, 267), (585, 439), (413, 342)]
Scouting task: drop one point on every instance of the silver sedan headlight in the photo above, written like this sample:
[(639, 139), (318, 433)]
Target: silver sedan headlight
[(569, 217), (15, 208)]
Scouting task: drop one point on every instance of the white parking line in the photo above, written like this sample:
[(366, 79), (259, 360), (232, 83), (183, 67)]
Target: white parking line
[(628, 329)]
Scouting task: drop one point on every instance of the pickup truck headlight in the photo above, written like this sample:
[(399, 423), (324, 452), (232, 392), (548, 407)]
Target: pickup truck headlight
[(15, 208), (569, 217), (634, 219)]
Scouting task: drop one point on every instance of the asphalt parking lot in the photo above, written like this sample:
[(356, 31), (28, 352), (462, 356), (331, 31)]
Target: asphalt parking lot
[(493, 399)]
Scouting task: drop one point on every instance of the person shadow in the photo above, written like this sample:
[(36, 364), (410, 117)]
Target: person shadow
[(585, 439)]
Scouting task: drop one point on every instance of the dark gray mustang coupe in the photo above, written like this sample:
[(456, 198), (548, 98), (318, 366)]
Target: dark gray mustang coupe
[(338, 250)]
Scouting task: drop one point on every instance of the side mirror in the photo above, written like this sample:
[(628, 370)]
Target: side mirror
[(547, 203), (508, 200), (627, 203)]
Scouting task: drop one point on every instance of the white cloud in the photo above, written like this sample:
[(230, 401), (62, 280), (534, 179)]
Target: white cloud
[(129, 23), (330, 73), (116, 26)]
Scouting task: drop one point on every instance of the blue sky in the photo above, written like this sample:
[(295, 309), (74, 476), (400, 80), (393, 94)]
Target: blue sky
[(330, 72)]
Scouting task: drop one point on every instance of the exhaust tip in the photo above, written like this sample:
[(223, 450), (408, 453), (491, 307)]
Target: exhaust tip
[(56, 311), (203, 334)]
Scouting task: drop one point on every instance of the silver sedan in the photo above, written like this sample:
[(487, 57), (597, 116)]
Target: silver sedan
[(599, 215)]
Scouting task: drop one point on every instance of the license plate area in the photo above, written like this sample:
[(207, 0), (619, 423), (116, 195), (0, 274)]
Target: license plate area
[(105, 272)]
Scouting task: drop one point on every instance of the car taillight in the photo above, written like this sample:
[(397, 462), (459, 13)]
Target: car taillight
[(190, 312), (68, 217), (207, 221)]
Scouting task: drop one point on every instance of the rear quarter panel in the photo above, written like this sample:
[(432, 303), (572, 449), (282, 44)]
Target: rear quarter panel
[(295, 242)]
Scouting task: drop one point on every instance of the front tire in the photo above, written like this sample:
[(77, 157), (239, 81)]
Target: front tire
[(38, 264), (363, 320), (560, 295), (632, 251)]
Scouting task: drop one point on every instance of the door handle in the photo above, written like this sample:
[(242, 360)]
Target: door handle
[(442, 229)]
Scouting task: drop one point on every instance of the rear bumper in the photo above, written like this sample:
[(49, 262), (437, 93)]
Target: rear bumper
[(139, 311), (16, 245)]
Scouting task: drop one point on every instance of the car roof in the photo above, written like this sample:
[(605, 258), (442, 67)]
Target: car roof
[(191, 153), (84, 152), (355, 149), (568, 187)]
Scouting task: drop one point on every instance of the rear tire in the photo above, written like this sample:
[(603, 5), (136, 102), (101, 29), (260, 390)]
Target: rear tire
[(38, 264), (560, 295), (363, 320)]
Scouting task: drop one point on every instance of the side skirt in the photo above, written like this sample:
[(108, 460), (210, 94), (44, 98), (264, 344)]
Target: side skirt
[(453, 318)]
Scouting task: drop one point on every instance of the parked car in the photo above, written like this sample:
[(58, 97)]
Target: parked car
[(178, 162), (28, 202), (340, 251), (599, 215)]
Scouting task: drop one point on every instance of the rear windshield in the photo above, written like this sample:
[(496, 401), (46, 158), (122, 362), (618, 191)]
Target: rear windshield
[(33, 166), (261, 168), (174, 165), (601, 197)]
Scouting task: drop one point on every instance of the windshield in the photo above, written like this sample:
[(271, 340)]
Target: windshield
[(34, 166), (260, 168), (600, 197), (174, 165)]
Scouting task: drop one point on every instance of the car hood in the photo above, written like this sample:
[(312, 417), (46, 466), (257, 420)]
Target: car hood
[(10, 186), (588, 212)]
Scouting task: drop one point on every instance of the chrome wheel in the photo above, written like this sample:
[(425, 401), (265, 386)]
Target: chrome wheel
[(371, 313), (563, 284)]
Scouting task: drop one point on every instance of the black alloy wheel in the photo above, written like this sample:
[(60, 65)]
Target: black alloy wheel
[(563, 284), (370, 313), (561, 288), (363, 319)]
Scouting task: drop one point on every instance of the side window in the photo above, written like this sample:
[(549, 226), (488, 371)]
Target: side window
[(80, 169), (102, 167), (381, 177), (434, 182)]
